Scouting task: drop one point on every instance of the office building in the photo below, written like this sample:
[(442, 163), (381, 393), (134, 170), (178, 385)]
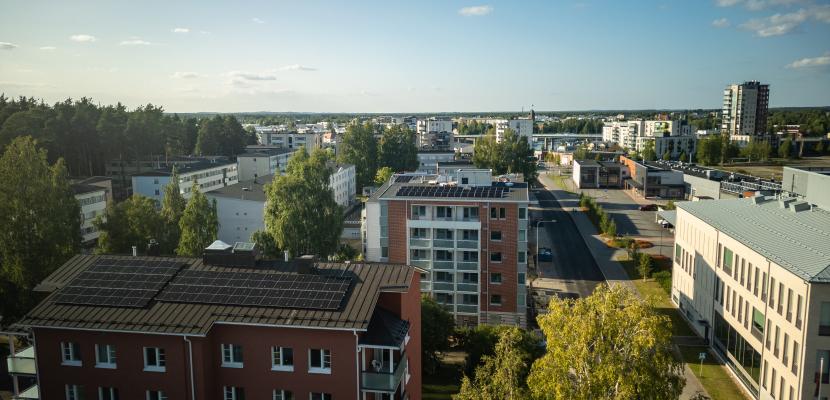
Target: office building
[(261, 162), (751, 275), (651, 179), (226, 326), (208, 175), (468, 234), (598, 174), (745, 110)]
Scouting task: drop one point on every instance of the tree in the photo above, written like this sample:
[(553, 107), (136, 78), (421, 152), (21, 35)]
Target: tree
[(670, 205), (437, 326), (221, 136), (610, 345), (648, 151), (644, 265), (199, 224), (132, 222), (785, 149), (300, 212), (172, 209), (383, 175), (501, 376), (666, 156), (683, 157), (611, 229), (709, 150), (512, 154), (40, 221), (266, 244), (581, 153), (397, 149), (358, 146), (819, 149)]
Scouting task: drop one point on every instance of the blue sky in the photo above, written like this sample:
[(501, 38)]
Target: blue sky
[(422, 56)]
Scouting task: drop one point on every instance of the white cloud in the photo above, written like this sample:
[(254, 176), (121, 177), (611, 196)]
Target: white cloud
[(186, 75), (727, 3), (250, 76), (777, 24), (475, 11), (821, 13), (181, 30), (720, 23), (811, 62), (257, 20), (297, 67), (7, 46), (83, 38), (48, 48), (134, 42), (757, 5)]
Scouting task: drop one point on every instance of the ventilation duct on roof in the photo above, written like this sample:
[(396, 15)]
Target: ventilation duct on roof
[(800, 206), (785, 203)]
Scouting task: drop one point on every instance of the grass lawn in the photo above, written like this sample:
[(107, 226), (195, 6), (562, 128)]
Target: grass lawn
[(715, 378), (443, 384), (561, 181)]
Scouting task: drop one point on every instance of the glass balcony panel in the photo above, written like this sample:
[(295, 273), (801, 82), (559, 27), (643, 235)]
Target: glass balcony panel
[(447, 244), (383, 382), (443, 286), (419, 242), (437, 264), (467, 287), (23, 362), (467, 244), (467, 266), (467, 308), (421, 263)]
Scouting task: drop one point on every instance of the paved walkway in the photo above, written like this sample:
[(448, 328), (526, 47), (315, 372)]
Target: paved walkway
[(606, 260)]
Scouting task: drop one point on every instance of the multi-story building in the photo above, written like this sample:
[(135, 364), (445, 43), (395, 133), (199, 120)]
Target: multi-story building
[(674, 136), (93, 195), (343, 182), (225, 326), (428, 159), (598, 174), (207, 175), (751, 276), (240, 209), (674, 145), (811, 183), (434, 132), (469, 235), (122, 170), (619, 132), (651, 179), (745, 110), (261, 162), (282, 137)]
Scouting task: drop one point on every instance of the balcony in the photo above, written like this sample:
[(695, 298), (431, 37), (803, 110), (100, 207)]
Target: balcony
[(467, 287), (383, 382), (448, 286), (32, 393), (467, 308), (419, 242), (467, 244), (23, 362), (445, 243), (439, 264), (421, 263), (467, 265)]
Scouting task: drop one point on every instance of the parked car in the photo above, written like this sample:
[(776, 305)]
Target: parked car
[(649, 207), (545, 254)]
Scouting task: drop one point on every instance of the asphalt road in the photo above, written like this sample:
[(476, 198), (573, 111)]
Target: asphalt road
[(572, 265)]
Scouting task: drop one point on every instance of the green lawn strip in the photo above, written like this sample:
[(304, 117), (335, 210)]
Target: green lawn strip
[(442, 384), (559, 180), (650, 288), (715, 378)]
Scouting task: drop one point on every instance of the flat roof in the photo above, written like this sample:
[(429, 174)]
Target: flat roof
[(186, 168), (587, 163), (81, 188), (512, 192), (266, 152), (798, 241), (182, 317), (255, 189)]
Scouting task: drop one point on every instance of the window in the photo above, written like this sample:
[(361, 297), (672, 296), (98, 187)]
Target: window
[(495, 235), (74, 392), (418, 211), (443, 255), (155, 395), (104, 356), (319, 361), (798, 312), (772, 383), (443, 212), (795, 357), (498, 213), (107, 393), (320, 396), (502, 213), (522, 235), (234, 393), (521, 257), (154, 359), (757, 320), (443, 234), (521, 278), (282, 359), (418, 233), (495, 300), (470, 213), (777, 336), (823, 362), (443, 276), (789, 305), (469, 256), (522, 213), (495, 256), (755, 283), (780, 298), (824, 319), (469, 234), (280, 394), (469, 277), (71, 353), (232, 355), (784, 354), (763, 286), (771, 292), (727, 261), (495, 277)]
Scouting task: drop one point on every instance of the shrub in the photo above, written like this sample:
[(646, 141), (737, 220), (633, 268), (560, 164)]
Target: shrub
[(644, 265), (663, 278)]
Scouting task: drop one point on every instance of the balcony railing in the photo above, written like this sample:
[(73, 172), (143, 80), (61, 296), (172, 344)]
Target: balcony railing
[(438, 264), (467, 244), (383, 382), (32, 393), (421, 263), (467, 308), (22, 362), (442, 286), (467, 265), (445, 243), (467, 287), (419, 242)]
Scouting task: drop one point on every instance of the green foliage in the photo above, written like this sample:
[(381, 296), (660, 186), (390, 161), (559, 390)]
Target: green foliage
[(663, 278), (785, 149), (502, 374), (199, 224), (644, 265), (610, 229), (512, 154), (358, 146), (683, 157), (648, 152), (132, 222), (581, 153), (172, 209), (40, 221), (266, 244), (301, 213), (221, 136), (813, 122), (819, 149), (383, 175), (480, 341), (573, 125), (756, 150), (670, 205), (666, 156), (473, 128), (397, 149), (709, 150), (437, 326), (346, 253), (610, 345)]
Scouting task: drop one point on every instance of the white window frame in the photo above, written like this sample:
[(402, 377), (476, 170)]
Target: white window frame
[(277, 354), (234, 395), (74, 359), (323, 395), (155, 395), (228, 360), (113, 393), (161, 360), (110, 363), (72, 392), (324, 354), (282, 394)]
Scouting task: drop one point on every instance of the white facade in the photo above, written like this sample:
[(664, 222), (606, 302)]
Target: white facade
[(261, 163), (290, 139), (434, 131), (93, 203), (745, 108), (675, 145), (343, 184), (208, 176), (238, 217), (633, 135), (428, 161)]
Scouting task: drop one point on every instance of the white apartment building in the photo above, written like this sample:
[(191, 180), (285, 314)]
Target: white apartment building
[(343, 182), (753, 277), (281, 137), (623, 133), (428, 160), (675, 136), (240, 209), (434, 132), (522, 127), (93, 202), (745, 110), (261, 162), (675, 145), (207, 175)]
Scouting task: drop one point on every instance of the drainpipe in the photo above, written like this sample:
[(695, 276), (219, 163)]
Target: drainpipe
[(356, 364), (190, 361)]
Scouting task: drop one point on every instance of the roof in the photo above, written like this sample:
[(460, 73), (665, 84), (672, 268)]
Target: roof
[(182, 169), (385, 329), (587, 163), (187, 318), (252, 190), (82, 188), (669, 215), (266, 152), (353, 214), (798, 241), (515, 192)]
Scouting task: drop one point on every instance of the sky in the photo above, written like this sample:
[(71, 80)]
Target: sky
[(414, 56)]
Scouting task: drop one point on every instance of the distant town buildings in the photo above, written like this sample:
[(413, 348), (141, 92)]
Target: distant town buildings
[(122, 170), (650, 179), (260, 162), (281, 136), (428, 159), (208, 175), (434, 132), (745, 110), (343, 183), (674, 137)]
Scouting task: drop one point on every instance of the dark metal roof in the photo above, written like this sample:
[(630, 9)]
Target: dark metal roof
[(159, 317), (251, 190), (81, 188), (385, 329)]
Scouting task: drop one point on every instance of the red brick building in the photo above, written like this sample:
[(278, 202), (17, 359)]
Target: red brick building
[(227, 327)]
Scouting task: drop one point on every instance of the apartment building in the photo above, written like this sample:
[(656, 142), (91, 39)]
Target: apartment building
[(283, 137), (434, 132), (260, 162), (208, 175), (343, 182), (751, 275), (240, 209), (93, 194), (428, 159), (672, 136), (745, 110), (674, 145), (122, 170), (467, 233), (228, 326)]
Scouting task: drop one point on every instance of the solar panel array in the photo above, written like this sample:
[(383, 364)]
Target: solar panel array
[(485, 192), (403, 178), (282, 290), (118, 283)]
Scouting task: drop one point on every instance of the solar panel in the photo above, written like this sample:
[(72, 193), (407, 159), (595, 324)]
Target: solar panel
[(453, 191), (118, 282), (282, 290)]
